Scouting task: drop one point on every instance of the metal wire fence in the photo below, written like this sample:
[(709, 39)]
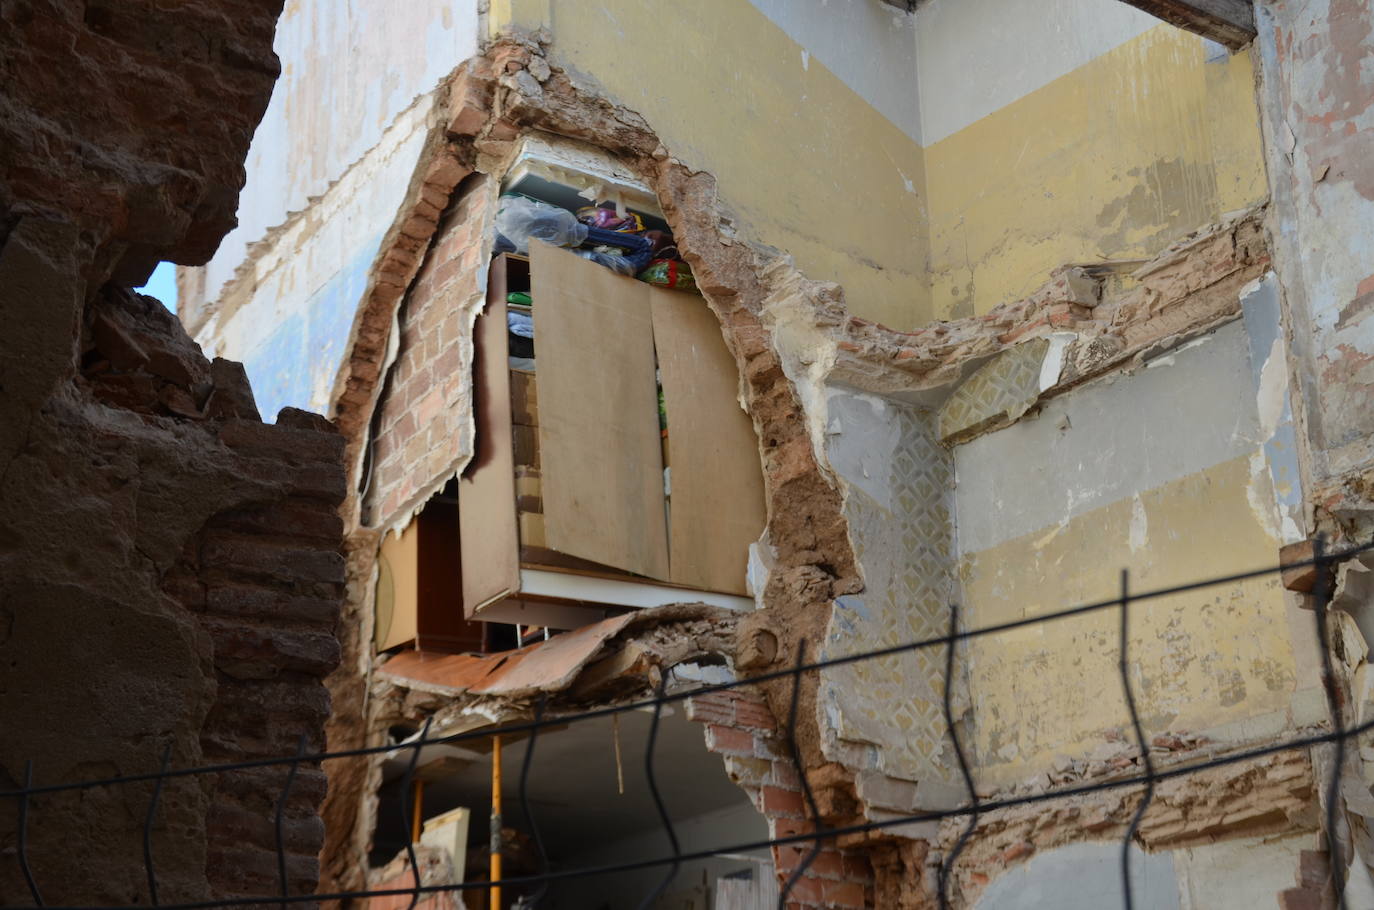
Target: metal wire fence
[(29, 796)]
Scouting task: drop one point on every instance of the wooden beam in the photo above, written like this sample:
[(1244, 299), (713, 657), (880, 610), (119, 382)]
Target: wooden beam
[(1228, 22)]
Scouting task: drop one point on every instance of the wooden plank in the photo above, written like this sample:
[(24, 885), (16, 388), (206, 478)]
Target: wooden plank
[(488, 539), (602, 464), (440, 623), (716, 507), (397, 588), (1228, 22)]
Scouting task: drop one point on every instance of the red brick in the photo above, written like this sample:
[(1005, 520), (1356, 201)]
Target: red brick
[(856, 868), (729, 741), (777, 801), (429, 407), (844, 894), (787, 857), (828, 864), (754, 715), (788, 827), (710, 710), (808, 890), (1300, 899), (1314, 868), (785, 775)]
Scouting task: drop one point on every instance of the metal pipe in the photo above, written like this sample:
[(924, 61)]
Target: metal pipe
[(495, 822)]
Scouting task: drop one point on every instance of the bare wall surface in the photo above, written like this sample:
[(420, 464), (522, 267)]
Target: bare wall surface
[(869, 47), (1139, 471), (1072, 131), (291, 313), (348, 71), (1070, 34), (1318, 93)]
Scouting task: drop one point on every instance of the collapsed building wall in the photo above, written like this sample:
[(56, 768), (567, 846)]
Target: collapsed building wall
[(1188, 291), (795, 342), (171, 574)]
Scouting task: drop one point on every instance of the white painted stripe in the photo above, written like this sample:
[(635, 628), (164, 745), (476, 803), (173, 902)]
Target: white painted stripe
[(1109, 440), (869, 46), (978, 56)]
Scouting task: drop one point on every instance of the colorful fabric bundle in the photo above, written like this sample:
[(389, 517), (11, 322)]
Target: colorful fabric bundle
[(670, 273), (607, 219)]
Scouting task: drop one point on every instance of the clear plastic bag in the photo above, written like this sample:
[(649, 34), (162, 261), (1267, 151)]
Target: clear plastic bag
[(521, 219)]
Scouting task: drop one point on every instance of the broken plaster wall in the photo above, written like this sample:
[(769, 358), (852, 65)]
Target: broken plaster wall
[(350, 74), (1317, 92), (289, 312), (1246, 872), (886, 714), (786, 340), (1133, 471)]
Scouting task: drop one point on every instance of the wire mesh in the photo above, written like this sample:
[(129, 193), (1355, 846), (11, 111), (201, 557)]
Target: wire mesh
[(816, 833)]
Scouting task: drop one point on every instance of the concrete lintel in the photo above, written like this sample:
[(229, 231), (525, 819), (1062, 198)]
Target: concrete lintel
[(1229, 22)]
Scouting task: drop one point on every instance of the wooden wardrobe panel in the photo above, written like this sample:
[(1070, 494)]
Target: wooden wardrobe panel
[(440, 623), (717, 505), (398, 578), (602, 462), (488, 536)]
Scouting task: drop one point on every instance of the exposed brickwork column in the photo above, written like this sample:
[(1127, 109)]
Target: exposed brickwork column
[(741, 728), (424, 426), (263, 576), (273, 577)]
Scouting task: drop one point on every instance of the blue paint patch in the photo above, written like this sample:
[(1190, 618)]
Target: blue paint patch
[(296, 363), (854, 603)]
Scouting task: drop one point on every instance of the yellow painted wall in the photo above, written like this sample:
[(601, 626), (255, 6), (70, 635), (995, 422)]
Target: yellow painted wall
[(1117, 159), (1114, 160), (1204, 658), (805, 164)]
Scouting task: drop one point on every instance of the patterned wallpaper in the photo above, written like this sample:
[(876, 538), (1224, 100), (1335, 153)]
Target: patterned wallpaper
[(885, 714)]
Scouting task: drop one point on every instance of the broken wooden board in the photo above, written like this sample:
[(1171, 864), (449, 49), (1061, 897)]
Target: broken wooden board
[(602, 464)]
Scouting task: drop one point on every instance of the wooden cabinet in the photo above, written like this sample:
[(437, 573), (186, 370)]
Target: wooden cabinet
[(564, 514)]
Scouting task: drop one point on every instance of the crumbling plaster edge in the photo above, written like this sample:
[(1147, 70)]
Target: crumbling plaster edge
[(757, 294)]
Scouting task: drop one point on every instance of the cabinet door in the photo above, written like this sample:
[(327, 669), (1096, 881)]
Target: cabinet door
[(599, 444), (488, 539), (717, 479)]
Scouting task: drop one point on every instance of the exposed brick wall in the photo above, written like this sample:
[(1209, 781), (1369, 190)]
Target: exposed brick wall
[(273, 581), (741, 728), (170, 575), (424, 429), (264, 577), (177, 587)]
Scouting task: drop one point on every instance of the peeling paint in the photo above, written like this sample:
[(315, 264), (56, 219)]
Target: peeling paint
[(1140, 525)]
